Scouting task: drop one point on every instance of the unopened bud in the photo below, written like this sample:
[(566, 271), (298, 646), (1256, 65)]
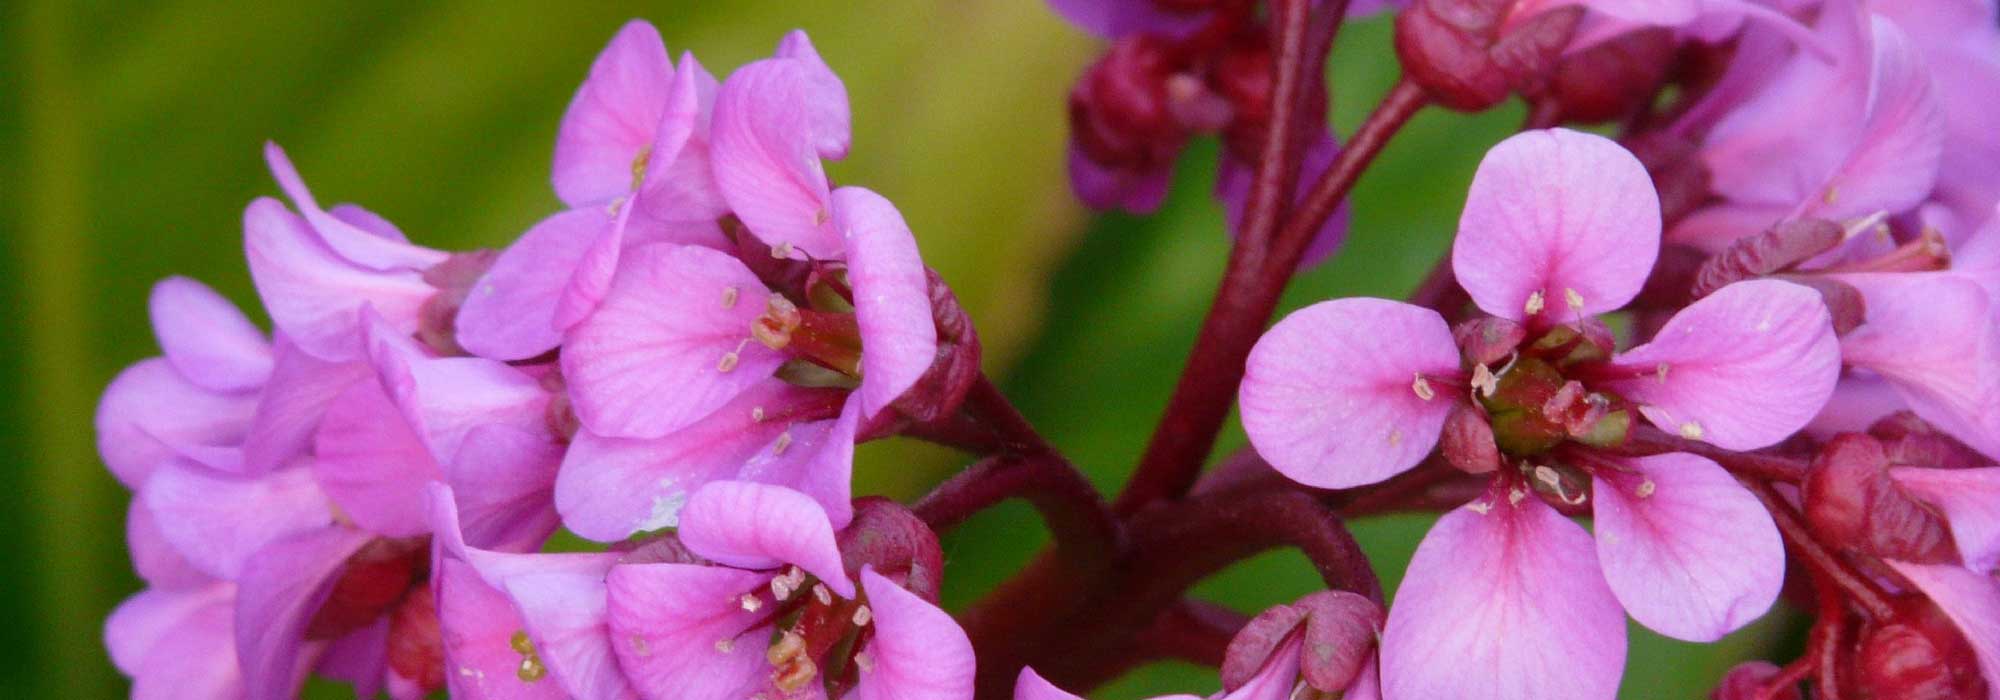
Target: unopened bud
[(1340, 631), (1918, 653), (1777, 248), (1468, 55), (1851, 500), (1120, 112), (1912, 441), (1612, 79)]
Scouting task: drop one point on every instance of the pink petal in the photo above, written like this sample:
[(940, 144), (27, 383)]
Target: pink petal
[(1712, 228), (372, 464), (654, 357), (590, 278), (892, 301), (1970, 599), (368, 221), (817, 460), (681, 634), (1102, 187), (314, 295), (504, 478), (765, 158), (1232, 187), (1935, 338), (360, 658), (220, 521), (1566, 215), (613, 117), (1970, 499), (443, 398), (1742, 368), (151, 413), (497, 567), (1504, 600), (144, 622), (1766, 150), (510, 313), (825, 96), (1331, 394), (353, 244), (199, 664), (280, 591), (610, 488), (918, 653), (153, 556), (756, 526), (477, 625), (1686, 549), (1893, 161), (294, 400), (1366, 686), (1031, 686), (565, 616), (207, 339)]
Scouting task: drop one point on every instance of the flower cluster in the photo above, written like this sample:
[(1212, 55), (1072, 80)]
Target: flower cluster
[(1754, 338), (679, 364)]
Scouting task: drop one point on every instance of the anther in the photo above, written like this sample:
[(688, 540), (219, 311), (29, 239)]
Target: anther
[(795, 675), (1481, 507), (1423, 388), (862, 615), (784, 441), (751, 603), (1691, 430), (725, 645), (774, 328), (757, 413), (640, 646), (728, 362), (782, 250), (1646, 488), (1832, 195), (639, 165), (821, 594), (1485, 380), (729, 297), (864, 662), (1535, 303), (1574, 299), (790, 645), (1514, 496)]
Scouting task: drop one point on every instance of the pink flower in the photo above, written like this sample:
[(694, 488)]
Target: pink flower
[(1558, 226)]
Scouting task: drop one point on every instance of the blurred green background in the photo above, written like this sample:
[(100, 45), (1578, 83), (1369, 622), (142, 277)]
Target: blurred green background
[(129, 136)]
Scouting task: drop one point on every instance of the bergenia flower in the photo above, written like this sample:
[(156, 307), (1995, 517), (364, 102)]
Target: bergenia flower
[(1558, 226)]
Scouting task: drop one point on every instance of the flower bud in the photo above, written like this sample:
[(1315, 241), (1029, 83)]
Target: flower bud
[(1121, 111), (1851, 500), (1747, 681), (942, 389), (1469, 55), (1916, 655), (1467, 442), (1340, 631), (1612, 79), (896, 543)]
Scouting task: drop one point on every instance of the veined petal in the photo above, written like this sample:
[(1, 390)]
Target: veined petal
[(504, 478), (918, 652), (510, 313), (825, 95), (1893, 161), (476, 625), (354, 244), (153, 556), (373, 464), (1031, 686), (313, 295), (1276, 680), (609, 488), (138, 626), (892, 300), (201, 663), (219, 521), (368, 221), (207, 338), (766, 157), (1970, 499), (613, 118), (294, 400), (590, 279), (151, 413), (816, 458), (1970, 599), (1685, 548), (496, 567), (757, 526), (1504, 600), (442, 398), (1934, 336), (360, 658), (565, 617), (681, 633), (1558, 224), (1741, 368), (281, 588), (1341, 393), (670, 343)]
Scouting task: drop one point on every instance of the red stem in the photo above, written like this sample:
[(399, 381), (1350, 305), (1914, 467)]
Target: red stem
[(1251, 286), (1763, 467), (1077, 518)]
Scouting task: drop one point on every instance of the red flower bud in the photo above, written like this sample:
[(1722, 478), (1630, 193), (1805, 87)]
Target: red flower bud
[(1469, 54), (1467, 442), (1488, 340), (1339, 636), (1120, 111), (1778, 248), (1911, 441), (896, 543), (1851, 500), (1916, 655), (1613, 79)]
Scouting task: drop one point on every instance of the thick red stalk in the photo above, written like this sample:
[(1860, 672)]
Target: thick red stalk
[(1082, 527)]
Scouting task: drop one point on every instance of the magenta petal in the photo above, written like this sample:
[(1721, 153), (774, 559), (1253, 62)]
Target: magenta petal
[(1686, 549), (1563, 222), (1344, 392), (1031, 686), (207, 339), (1742, 368), (826, 96), (757, 526), (360, 658), (444, 398), (1934, 337), (892, 301), (918, 653), (153, 556), (670, 344), (613, 117), (139, 626), (765, 158), (565, 616), (282, 587), (313, 295), (294, 400), (368, 221), (497, 567), (476, 625), (510, 313), (372, 464), (220, 521), (681, 633), (1970, 499), (1893, 161), (1102, 187), (610, 488), (151, 413), (504, 478), (1970, 599), (1276, 680), (1504, 600), (199, 661), (815, 458), (591, 277), (353, 244)]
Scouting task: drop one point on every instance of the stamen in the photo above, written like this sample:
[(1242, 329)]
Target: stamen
[(639, 165), (531, 668), (1691, 430), (784, 441), (1832, 195), (774, 328), (1423, 388), (1485, 380), (757, 414), (1574, 299), (1481, 506), (728, 362), (794, 676), (640, 646), (864, 662), (1535, 303), (790, 645), (751, 603), (1395, 436), (781, 589), (1646, 488), (822, 594), (862, 615), (1514, 496), (782, 250), (725, 645)]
